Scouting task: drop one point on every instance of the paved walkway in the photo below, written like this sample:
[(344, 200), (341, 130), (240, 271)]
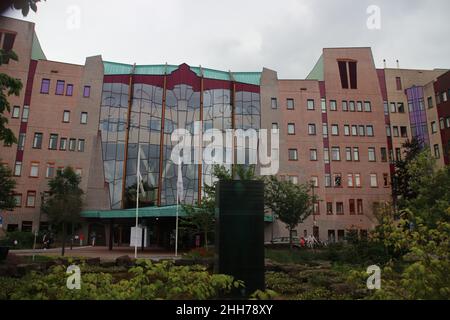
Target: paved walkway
[(99, 252)]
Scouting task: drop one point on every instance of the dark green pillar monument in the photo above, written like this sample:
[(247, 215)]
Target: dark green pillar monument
[(240, 232)]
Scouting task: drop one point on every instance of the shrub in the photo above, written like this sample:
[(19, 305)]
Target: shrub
[(25, 240)]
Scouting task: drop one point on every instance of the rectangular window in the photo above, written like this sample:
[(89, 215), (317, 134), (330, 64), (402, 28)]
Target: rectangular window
[(367, 106), (373, 180), (393, 107), (355, 154), (31, 199), (346, 130), (383, 154), (327, 180), (352, 69), (326, 155), (360, 206), (344, 106), (335, 154), (354, 130), (25, 113), (81, 144), (351, 205), (337, 180), (398, 154), (310, 104), (34, 170), (362, 131), (359, 106), (400, 107), (325, 130), (434, 127), (339, 208), (312, 129), (293, 155), (63, 144), (372, 155), (323, 104), (18, 169), (274, 103), (53, 141), (21, 142), (404, 132), (430, 102), (386, 180), (329, 208), (333, 105), (15, 112), (386, 108), (334, 129), (348, 154), (398, 82), (274, 126), (37, 141), (313, 154), (352, 106), (290, 104), (72, 144), (60, 87), (84, 118), (315, 181), (86, 91), (357, 180), (18, 199), (369, 131), (437, 153), (388, 131), (50, 172), (45, 86), (342, 65), (350, 180), (291, 128), (395, 131), (442, 123), (66, 116), (69, 90)]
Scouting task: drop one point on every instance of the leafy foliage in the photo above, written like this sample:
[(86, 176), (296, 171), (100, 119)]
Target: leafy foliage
[(7, 185)]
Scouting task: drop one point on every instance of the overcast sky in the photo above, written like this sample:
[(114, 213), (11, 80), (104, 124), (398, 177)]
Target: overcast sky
[(242, 35)]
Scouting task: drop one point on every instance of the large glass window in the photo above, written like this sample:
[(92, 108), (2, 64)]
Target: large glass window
[(60, 87), (53, 141), (45, 86), (37, 141)]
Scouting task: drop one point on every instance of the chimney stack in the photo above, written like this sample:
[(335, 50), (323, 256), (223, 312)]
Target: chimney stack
[(384, 63), (398, 64)]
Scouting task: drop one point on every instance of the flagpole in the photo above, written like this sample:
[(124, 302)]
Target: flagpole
[(138, 172)]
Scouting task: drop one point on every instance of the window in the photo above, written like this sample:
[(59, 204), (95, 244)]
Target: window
[(395, 131), (369, 131), (352, 208), (355, 154), (81, 144), (373, 180), (437, 153), (359, 106), (354, 131), (45, 86), (335, 154), (323, 104), (346, 130), (359, 206), (53, 142), (25, 113), (313, 154), (393, 107), (50, 172), (290, 104), (21, 142), (59, 170), (274, 103), (333, 105), (430, 102), (66, 116), (367, 106), (386, 108), (442, 123), (339, 208), (72, 144), (18, 199), (325, 130), (37, 141), (63, 144), (293, 155), (312, 129), (348, 154), (400, 107), (383, 154), (398, 82), (341, 235), (444, 96), (447, 122), (86, 91), (352, 106), (404, 132), (334, 129), (293, 179), (362, 131), (310, 104), (291, 128), (352, 69), (15, 112), (79, 172), (434, 127), (372, 155), (326, 155), (31, 199), (69, 90), (337, 180), (385, 180), (351, 75), (329, 208), (274, 125), (18, 169), (27, 226), (344, 106), (315, 182), (34, 170), (60, 87), (398, 154), (388, 131), (357, 180), (327, 180), (350, 180), (316, 211), (342, 65)]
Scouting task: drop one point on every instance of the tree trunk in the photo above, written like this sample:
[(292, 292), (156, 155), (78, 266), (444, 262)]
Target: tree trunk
[(290, 239), (63, 239)]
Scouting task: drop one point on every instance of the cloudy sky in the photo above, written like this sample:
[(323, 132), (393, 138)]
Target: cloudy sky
[(242, 35)]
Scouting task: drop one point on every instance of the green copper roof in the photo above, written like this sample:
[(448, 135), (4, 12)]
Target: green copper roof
[(114, 68), (317, 72), (36, 50)]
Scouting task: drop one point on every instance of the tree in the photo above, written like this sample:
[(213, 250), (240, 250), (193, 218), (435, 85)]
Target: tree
[(7, 185), (22, 5), (292, 203), (65, 203)]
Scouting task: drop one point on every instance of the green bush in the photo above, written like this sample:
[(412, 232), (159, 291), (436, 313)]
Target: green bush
[(25, 240)]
